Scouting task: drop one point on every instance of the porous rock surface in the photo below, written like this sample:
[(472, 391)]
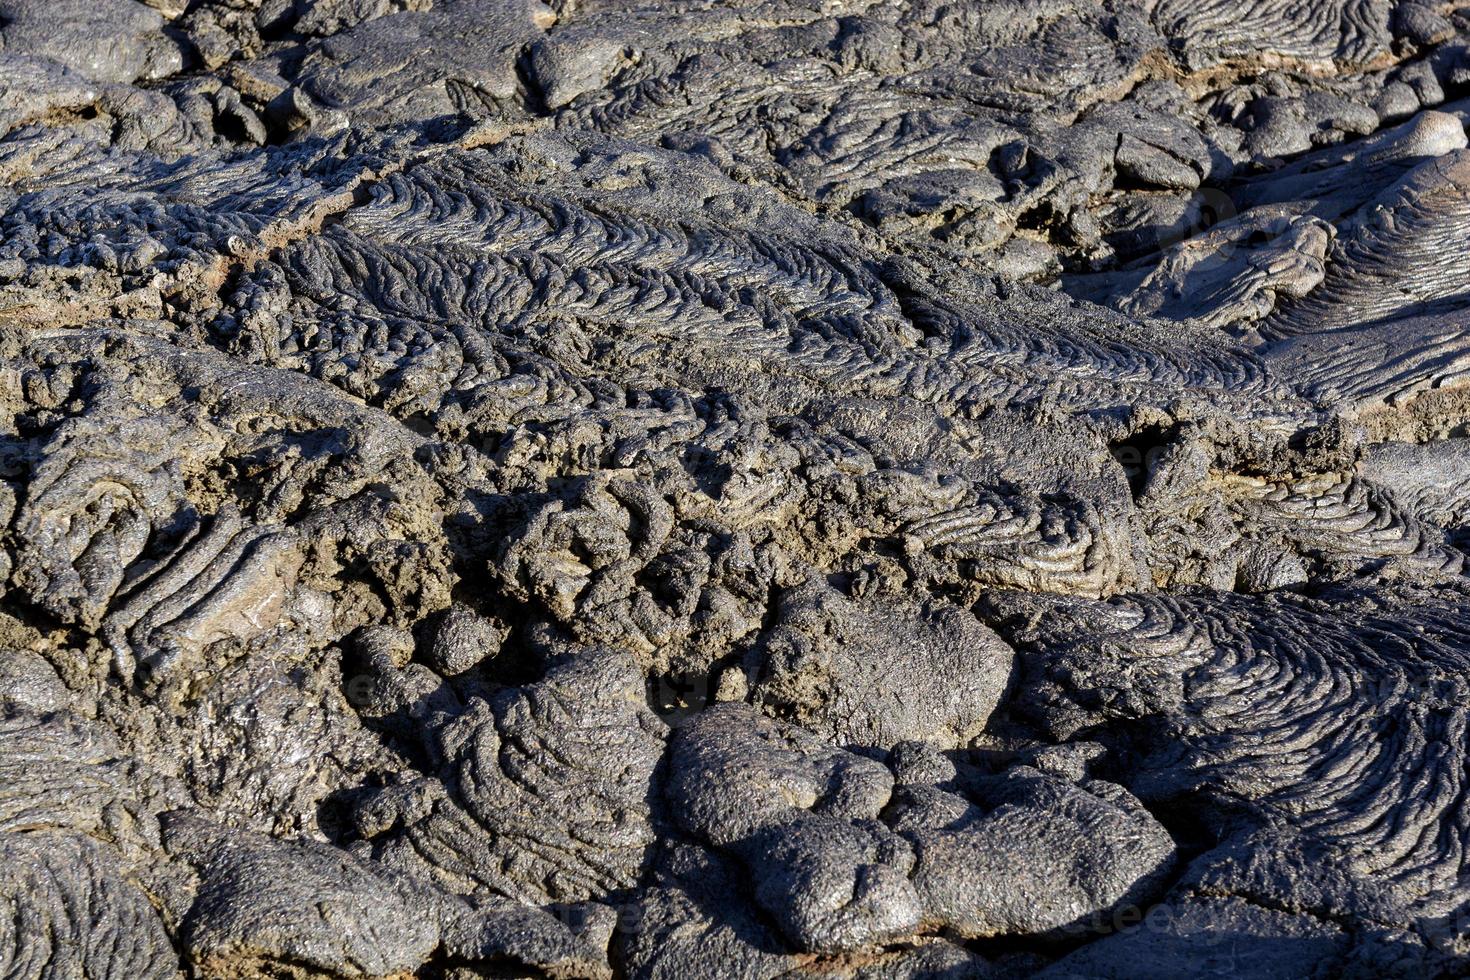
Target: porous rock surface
[(750, 488)]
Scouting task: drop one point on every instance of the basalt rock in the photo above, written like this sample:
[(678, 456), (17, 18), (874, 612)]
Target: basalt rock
[(746, 488)]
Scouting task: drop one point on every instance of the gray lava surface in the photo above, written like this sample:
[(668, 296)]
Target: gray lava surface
[(734, 488)]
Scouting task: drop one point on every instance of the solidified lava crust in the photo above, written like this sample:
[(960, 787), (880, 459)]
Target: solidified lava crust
[(734, 488)]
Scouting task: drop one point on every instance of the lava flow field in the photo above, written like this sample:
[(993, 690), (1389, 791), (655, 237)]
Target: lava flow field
[(821, 489)]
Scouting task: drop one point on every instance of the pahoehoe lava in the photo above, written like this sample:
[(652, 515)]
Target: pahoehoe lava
[(734, 488)]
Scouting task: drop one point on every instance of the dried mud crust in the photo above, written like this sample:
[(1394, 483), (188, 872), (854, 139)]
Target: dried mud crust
[(760, 488)]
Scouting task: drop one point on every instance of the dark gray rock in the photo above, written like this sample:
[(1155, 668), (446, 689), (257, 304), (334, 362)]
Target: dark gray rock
[(756, 488), (875, 673), (839, 862), (549, 788), (68, 911), (109, 41)]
